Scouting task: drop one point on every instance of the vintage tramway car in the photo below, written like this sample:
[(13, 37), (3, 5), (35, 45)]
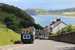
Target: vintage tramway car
[(27, 35)]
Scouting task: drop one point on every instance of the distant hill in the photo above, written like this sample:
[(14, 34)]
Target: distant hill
[(67, 14), (15, 18), (50, 12), (35, 11), (63, 10)]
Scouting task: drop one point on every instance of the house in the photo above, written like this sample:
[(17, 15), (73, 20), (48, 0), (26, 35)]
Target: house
[(34, 29), (53, 27), (56, 26), (41, 32), (44, 31), (37, 33)]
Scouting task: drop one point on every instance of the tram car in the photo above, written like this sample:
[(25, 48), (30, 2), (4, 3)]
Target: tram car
[(27, 35)]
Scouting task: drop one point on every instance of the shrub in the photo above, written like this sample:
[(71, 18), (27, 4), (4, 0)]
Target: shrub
[(69, 28), (63, 30), (53, 33)]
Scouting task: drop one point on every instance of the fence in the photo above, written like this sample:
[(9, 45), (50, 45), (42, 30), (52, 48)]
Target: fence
[(66, 37)]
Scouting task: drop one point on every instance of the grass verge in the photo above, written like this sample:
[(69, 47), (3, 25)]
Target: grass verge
[(8, 37)]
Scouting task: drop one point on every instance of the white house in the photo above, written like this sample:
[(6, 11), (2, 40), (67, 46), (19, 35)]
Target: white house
[(54, 27), (57, 26)]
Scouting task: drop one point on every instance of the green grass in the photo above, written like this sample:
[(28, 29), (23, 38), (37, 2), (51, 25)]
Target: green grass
[(67, 14), (8, 37)]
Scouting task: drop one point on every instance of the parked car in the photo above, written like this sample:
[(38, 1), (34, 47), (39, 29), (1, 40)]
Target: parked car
[(42, 37), (46, 38)]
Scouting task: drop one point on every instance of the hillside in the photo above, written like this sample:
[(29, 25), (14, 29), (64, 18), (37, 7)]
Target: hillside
[(36, 11), (1, 25), (52, 12), (15, 18), (8, 37), (67, 14)]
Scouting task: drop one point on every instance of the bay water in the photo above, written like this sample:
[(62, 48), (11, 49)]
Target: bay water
[(47, 20)]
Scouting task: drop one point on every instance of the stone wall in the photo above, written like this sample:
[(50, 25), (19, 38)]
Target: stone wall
[(66, 37)]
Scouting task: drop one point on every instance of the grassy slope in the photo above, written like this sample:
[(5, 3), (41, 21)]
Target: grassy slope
[(6, 37), (67, 14)]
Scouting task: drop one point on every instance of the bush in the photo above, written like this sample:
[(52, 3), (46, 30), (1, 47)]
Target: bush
[(63, 30), (16, 42), (69, 28), (53, 33), (38, 26)]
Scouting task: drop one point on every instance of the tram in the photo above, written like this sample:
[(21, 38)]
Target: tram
[(27, 35)]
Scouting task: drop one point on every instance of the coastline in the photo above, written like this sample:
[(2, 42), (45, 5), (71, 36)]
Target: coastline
[(57, 16)]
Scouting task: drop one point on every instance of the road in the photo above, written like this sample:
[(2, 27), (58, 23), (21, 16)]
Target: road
[(47, 45)]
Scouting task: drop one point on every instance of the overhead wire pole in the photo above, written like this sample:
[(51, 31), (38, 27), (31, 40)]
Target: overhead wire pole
[(58, 29), (5, 27)]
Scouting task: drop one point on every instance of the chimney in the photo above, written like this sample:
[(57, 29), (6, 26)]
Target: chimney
[(46, 27), (53, 22), (50, 24), (58, 20)]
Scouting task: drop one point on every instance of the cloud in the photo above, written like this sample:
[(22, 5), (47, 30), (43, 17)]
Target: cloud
[(61, 6), (9, 0), (44, 4)]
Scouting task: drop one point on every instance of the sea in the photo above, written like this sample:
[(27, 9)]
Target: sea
[(47, 20)]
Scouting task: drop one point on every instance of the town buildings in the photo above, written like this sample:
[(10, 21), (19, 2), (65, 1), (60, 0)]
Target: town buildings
[(54, 27)]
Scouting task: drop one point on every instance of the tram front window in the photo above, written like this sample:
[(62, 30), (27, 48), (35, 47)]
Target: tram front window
[(27, 32)]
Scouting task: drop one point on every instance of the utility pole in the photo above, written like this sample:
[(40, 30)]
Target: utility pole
[(5, 28), (58, 30)]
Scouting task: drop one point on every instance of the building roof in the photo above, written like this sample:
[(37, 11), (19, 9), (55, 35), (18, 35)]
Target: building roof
[(54, 24), (57, 23), (26, 29)]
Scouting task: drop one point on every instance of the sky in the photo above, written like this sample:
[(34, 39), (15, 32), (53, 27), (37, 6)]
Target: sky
[(43, 4)]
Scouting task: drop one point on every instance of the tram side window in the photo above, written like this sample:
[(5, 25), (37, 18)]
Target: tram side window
[(22, 32), (30, 32), (26, 31)]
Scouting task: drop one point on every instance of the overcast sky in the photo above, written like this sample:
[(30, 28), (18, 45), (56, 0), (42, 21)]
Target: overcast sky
[(43, 4)]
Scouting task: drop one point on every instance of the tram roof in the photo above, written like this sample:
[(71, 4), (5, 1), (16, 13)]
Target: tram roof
[(26, 29)]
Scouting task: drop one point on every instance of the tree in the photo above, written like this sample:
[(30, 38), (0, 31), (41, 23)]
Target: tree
[(69, 28), (9, 23), (24, 23), (38, 26), (63, 30), (12, 27), (7, 19)]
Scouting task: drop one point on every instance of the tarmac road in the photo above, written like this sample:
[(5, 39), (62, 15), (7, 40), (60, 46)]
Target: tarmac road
[(47, 45)]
